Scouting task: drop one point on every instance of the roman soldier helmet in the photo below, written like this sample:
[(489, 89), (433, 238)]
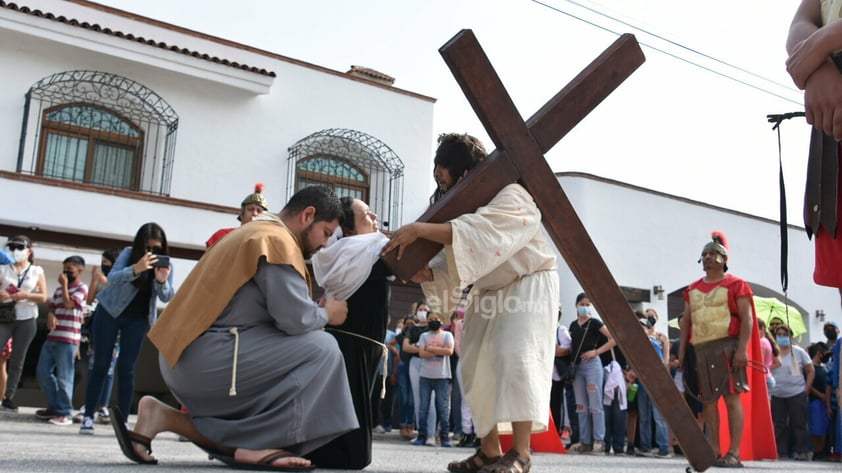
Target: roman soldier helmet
[(255, 198), (719, 244)]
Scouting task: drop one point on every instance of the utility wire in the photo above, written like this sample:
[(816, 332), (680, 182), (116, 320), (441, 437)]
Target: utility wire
[(673, 55)]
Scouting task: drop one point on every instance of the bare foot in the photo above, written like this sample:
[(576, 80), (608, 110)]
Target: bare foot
[(152, 419), (242, 455)]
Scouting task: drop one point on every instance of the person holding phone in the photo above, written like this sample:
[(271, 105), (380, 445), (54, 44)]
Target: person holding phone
[(127, 307), (23, 283)]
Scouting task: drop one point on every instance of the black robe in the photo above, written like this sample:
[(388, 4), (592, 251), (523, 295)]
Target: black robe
[(368, 315)]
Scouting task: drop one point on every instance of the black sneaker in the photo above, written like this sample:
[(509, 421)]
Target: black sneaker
[(45, 414), (9, 405), (467, 440)]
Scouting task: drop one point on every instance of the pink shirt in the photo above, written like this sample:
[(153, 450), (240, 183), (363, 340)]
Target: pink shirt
[(768, 357)]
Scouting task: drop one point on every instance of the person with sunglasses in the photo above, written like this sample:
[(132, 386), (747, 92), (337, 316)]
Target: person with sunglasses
[(127, 308), (24, 283)]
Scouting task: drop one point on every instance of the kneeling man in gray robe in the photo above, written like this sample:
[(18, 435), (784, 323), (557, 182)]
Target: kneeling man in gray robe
[(242, 347)]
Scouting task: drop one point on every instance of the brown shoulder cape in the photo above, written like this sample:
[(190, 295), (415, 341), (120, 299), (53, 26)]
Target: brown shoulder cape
[(220, 273)]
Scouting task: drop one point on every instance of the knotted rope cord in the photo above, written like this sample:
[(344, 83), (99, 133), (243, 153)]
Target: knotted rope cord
[(385, 355), (232, 391)]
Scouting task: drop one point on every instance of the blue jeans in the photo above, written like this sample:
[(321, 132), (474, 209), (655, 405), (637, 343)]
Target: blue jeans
[(647, 411), (442, 389), (589, 409), (55, 374), (132, 332), (415, 382), (108, 383), (615, 427), (406, 406)]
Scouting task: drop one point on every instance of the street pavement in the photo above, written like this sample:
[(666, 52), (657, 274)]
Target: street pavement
[(31, 445)]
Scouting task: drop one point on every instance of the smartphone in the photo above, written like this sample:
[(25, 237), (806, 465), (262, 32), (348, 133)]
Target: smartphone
[(163, 262)]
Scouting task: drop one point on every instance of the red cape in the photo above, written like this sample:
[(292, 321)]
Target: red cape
[(758, 442)]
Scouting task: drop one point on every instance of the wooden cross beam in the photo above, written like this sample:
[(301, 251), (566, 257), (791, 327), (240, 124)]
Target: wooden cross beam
[(520, 157)]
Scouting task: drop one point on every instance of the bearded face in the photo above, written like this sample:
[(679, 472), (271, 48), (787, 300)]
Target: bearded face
[(316, 235)]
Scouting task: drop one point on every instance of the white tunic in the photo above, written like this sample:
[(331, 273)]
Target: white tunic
[(508, 339)]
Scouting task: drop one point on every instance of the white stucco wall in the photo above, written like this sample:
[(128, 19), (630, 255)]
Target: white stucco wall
[(228, 137), (649, 239)]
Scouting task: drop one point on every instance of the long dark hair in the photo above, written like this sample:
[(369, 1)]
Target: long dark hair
[(458, 153), (147, 231)]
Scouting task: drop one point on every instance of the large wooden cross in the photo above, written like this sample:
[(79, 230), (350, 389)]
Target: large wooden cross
[(520, 157)]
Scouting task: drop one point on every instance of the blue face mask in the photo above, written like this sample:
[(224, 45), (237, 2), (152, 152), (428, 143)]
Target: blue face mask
[(583, 310), (782, 341)]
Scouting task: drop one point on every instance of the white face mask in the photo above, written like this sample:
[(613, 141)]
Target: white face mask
[(20, 255), (421, 315), (397, 331)]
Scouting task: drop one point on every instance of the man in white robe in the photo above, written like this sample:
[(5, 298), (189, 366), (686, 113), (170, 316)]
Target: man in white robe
[(508, 340)]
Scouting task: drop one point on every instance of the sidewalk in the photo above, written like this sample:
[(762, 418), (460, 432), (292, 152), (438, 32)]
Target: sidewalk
[(31, 445)]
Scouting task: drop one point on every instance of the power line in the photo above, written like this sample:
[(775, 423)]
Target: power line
[(673, 55)]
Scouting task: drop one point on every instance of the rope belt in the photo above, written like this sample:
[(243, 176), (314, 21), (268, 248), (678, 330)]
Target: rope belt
[(233, 331), (385, 355), (233, 390)]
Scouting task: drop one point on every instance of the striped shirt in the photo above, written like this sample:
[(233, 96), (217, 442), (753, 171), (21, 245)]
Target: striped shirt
[(69, 327)]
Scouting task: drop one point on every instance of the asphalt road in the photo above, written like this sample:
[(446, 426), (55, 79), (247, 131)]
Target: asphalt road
[(31, 445)]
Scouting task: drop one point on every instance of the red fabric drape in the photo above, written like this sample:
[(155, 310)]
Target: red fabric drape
[(758, 442)]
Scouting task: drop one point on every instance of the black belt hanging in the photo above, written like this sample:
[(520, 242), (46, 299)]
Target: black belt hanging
[(777, 119)]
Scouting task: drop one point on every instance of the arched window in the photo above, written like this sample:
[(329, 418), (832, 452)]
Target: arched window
[(85, 143), (354, 164), (100, 129), (345, 178)]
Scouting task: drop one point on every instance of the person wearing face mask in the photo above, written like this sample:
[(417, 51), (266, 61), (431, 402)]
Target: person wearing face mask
[(587, 384), (410, 345), (58, 353), (406, 403), (99, 281), (789, 396), (22, 282), (818, 420), (435, 348)]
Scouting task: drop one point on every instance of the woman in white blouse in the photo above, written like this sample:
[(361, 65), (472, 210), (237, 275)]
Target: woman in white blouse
[(24, 283)]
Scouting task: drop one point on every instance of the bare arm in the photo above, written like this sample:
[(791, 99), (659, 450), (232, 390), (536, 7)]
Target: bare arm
[(446, 350), (611, 343), (409, 347), (38, 295), (811, 375), (404, 236), (684, 324), (804, 59), (810, 45), (746, 324)]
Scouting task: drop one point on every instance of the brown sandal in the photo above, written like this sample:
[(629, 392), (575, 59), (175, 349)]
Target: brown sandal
[(511, 462), (729, 460), (473, 463)]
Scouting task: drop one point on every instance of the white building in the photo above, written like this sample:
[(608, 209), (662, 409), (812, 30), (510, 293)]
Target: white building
[(110, 120), (650, 239)]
